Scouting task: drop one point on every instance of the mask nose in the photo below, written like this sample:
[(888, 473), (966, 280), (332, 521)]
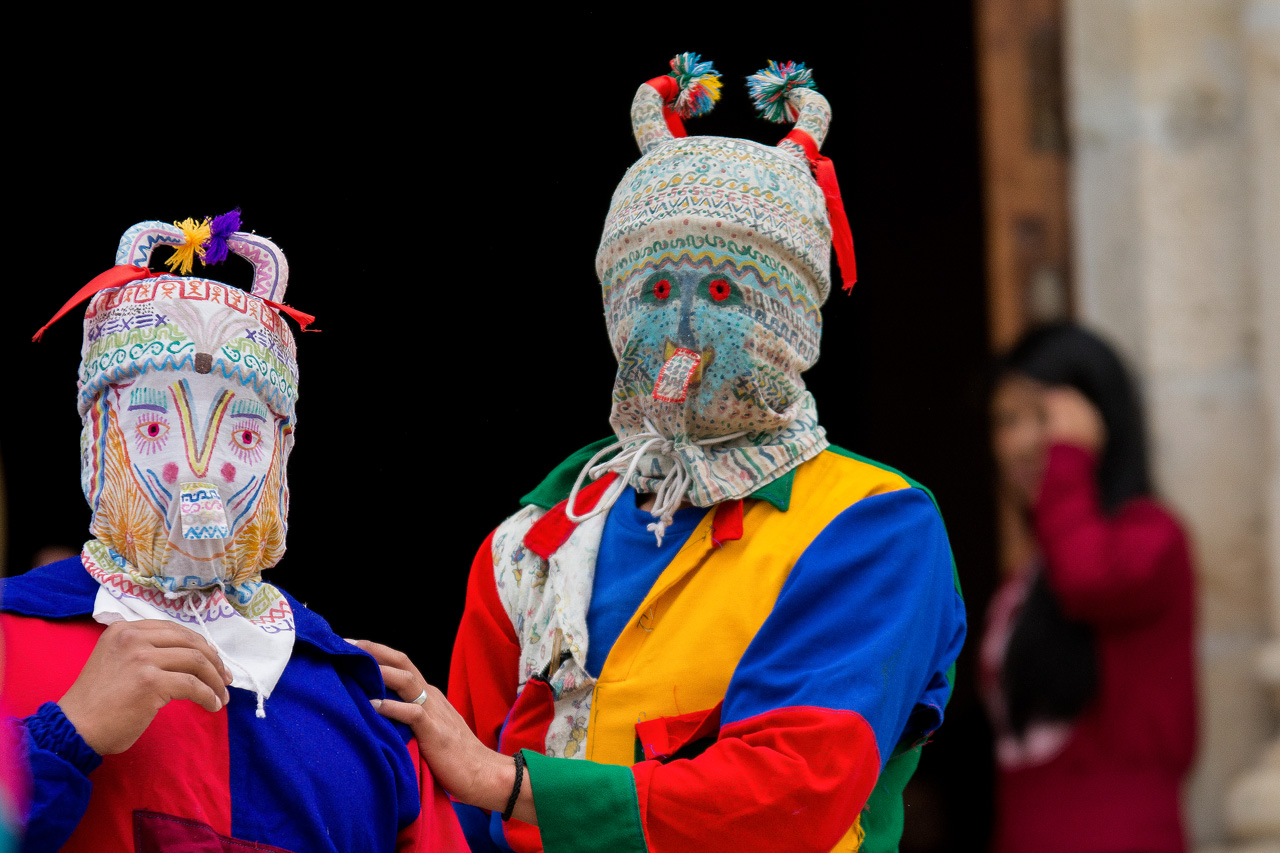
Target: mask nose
[(201, 512)]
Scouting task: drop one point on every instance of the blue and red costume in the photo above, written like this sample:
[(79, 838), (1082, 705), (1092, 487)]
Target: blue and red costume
[(322, 772)]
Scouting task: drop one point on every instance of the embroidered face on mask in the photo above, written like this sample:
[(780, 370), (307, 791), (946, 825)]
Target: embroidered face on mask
[(186, 477), (187, 394), (715, 261), (709, 343)]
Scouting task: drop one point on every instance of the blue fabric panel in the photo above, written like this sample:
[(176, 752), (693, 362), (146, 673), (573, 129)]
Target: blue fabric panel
[(869, 620), (58, 590), (475, 828), (629, 563), (322, 771)]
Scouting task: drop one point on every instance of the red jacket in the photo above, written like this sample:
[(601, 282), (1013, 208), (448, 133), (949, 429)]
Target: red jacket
[(1115, 785)]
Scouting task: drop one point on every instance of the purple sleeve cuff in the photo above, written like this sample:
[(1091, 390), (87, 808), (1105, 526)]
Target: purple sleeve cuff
[(50, 730)]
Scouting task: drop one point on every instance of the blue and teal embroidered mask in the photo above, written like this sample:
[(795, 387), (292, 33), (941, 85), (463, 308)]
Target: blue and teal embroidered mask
[(715, 261)]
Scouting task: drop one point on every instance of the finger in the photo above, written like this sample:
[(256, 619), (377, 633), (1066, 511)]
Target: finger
[(183, 685), (194, 662), (387, 656), (408, 713), (167, 635), (408, 685)]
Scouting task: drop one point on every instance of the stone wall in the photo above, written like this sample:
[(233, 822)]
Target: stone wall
[(1174, 107)]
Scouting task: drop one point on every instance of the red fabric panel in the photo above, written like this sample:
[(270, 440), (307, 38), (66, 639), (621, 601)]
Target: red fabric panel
[(552, 530), (790, 779), (665, 736), (436, 830), (117, 276), (162, 833), (42, 659), (486, 654), (727, 525), (527, 729)]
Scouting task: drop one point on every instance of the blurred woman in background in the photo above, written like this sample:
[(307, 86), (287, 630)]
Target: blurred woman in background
[(1087, 657)]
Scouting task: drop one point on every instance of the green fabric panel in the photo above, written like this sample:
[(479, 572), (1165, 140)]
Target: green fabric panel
[(583, 806), (777, 492), (557, 485), (882, 817)]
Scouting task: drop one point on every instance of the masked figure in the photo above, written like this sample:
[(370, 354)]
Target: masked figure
[(713, 630), (187, 392)]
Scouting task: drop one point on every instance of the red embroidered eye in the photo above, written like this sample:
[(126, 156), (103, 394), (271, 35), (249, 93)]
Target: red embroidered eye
[(247, 438), (661, 288), (720, 289)]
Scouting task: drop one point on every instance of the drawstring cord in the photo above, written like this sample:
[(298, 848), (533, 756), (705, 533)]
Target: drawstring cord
[(670, 492), (188, 602)]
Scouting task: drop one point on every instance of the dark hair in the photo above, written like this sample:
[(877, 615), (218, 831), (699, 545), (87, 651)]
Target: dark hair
[(1050, 668), (1066, 354)]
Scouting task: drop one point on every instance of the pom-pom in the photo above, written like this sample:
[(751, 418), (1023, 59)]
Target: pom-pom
[(699, 85), (770, 86), (220, 228), (195, 234)]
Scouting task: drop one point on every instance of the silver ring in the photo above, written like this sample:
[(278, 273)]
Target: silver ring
[(422, 698)]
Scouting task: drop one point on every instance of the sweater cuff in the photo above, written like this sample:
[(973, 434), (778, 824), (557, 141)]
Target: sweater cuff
[(584, 806), (51, 731)]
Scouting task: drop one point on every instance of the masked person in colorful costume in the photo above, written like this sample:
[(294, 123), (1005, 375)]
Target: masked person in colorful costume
[(187, 391), (715, 630)]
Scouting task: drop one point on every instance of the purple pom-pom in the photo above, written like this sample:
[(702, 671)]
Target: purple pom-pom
[(222, 227)]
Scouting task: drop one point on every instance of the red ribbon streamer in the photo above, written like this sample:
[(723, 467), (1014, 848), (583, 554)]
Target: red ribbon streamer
[(117, 276), (824, 171), (122, 274), (302, 318), (669, 89)]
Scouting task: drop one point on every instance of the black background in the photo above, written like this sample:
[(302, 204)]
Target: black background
[(440, 199)]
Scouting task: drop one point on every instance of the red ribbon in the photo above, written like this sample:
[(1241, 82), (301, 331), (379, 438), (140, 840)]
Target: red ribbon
[(117, 276), (824, 171), (122, 274), (302, 318), (669, 89)]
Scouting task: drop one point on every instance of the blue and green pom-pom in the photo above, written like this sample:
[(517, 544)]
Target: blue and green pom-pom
[(770, 86), (699, 84)]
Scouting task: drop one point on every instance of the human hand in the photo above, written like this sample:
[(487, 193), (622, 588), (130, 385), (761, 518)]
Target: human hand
[(136, 669), (1072, 419), (465, 767)]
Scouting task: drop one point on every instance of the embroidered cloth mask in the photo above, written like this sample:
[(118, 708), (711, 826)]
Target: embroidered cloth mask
[(715, 261)]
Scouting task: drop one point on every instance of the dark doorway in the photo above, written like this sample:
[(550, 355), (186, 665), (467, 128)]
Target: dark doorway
[(440, 204)]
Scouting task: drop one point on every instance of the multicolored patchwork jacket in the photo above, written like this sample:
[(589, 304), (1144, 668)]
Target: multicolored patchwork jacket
[(771, 692), (321, 772)]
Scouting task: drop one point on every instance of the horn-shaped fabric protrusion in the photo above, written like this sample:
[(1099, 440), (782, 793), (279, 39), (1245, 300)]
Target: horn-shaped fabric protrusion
[(271, 270), (785, 92), (691, 89)]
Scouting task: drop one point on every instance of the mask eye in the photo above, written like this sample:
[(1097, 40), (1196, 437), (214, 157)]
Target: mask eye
[(720, 290), (153, 432), (659, 288), (246, 439)]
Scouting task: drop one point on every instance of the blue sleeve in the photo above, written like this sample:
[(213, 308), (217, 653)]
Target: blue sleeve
[(869, 620), (60, 763)]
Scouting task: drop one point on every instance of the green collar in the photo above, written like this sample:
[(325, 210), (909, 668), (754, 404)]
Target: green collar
[(557, 485)]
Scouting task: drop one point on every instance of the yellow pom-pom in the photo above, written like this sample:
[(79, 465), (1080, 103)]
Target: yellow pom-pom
[(195, 234)]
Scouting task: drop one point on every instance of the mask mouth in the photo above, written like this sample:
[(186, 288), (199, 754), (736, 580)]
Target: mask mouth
[(681, 369)]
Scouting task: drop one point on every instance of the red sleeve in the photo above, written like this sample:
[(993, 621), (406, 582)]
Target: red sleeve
[(486, 655), (1105, 570)]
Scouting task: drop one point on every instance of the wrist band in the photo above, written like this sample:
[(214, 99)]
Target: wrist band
[(515, 789)]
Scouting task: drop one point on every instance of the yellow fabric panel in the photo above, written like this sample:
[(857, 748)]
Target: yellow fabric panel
[(684, 641)]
